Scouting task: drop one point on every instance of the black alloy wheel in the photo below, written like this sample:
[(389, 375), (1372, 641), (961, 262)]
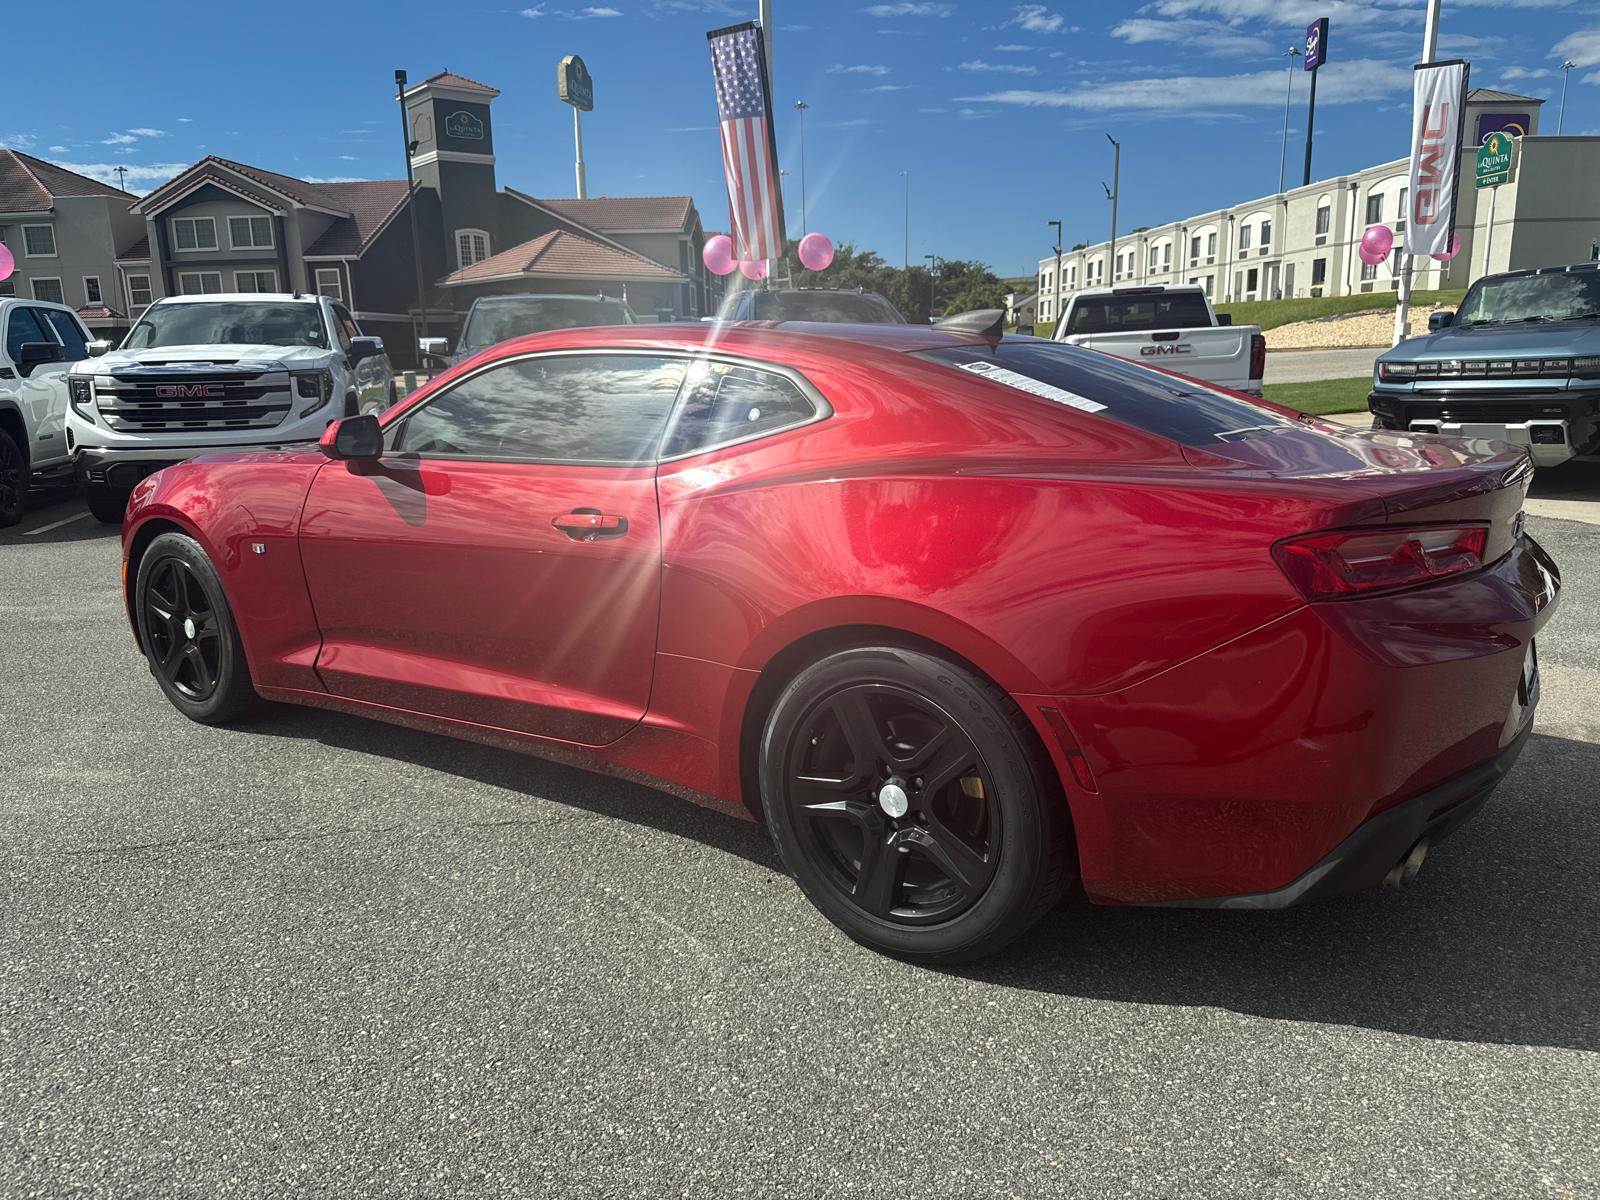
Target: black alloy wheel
[(913, 806), (14, 478), (187, 629)]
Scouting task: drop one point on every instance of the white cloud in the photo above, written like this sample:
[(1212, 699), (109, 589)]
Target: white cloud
[(1035, 18), (794, 29), (862, 69), (349, 158), (186, 120), (17, 141), (978, 64), (117, 139), (888, 87), (1525, 73), (1009, 49), (1341, 83), (598, 12), (1582, 47), (58, 148), (1341, 13), (1211, 36), (148, 132), (335, 179), (533, 14), (910, 10), (152, 174)]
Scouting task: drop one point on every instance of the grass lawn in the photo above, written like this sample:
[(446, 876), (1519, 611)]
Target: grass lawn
[(1269, 314), (1323, 396)]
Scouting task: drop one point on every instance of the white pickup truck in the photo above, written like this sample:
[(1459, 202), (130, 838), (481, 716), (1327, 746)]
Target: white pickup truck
[(1173, 327)]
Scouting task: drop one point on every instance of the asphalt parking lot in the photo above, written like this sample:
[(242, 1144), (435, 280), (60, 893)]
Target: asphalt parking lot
[(318, 956)]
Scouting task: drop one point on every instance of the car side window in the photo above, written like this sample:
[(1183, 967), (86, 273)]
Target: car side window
[(346, 324), (20, 329), (73, 345), (602, 410), (725, 403)]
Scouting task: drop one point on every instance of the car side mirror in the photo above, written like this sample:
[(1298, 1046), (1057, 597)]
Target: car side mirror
[(352, 439), (1440, 320), (364, 347), (97, 348), (1224, 318), (432, 347), (31, 354)]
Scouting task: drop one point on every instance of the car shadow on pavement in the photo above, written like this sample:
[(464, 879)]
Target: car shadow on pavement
[(1497, 940)]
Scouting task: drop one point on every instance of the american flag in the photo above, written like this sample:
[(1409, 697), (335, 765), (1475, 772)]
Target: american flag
[(749, 153)]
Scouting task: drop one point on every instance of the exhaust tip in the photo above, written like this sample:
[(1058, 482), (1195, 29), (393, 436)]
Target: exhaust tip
[(1406, 869)]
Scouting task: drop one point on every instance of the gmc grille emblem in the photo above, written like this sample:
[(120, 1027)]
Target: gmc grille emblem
[(178, 391)]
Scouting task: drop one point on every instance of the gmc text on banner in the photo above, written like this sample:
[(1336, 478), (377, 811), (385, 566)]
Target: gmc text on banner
[(1439, 100), (749, 148)]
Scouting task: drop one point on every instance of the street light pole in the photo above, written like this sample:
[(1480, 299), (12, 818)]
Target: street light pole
[(933, 263), (905, 251), (1055, 308), (1566, 77), (1292, 53), (802, 106), (411, 201), (1112, 193)]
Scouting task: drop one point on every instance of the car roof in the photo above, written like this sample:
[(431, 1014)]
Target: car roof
[(499, 296), (754, 336), (243, 298)]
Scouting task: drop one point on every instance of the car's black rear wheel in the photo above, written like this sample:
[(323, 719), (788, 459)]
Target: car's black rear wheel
[(188, 632), (910, 801), (13, 480), (107, 507)]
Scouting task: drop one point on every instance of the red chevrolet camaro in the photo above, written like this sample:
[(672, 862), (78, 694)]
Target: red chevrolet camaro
[(963, 618)]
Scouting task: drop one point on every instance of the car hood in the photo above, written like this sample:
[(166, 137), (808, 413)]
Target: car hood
[(263, 358), (1555, 339)]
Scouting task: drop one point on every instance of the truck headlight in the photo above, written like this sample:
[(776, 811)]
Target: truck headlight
[(1398, 370), (313, 385), (81, 391)]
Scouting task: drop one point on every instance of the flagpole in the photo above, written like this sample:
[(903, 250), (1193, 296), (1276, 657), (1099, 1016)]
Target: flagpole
[(766, 38), (1402, 308)]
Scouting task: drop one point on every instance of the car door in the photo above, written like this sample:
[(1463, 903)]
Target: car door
[(51, 440), (39, 390), (501, 563)]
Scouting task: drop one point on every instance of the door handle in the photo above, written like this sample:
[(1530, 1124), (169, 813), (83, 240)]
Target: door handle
[(590, 525)]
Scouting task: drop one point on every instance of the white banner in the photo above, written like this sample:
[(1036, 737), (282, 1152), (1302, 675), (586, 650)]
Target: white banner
[(1436, 121)]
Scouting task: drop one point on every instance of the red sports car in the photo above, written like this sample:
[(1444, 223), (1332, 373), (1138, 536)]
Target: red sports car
[(962, 617)]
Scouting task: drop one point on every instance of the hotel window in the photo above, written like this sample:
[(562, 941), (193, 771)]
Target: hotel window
[(8, 287), (1244, 237), (1324, 218), (255, 281), (1211, 245), (50, 290), (194, 233), (138, 290), (1252, 280), (1194, 246), (250, 233), (1374, 208), (472, 246), (1266, 234), (1400, 211), (91, 290), (1155, 257), (1166, 255), (200, 283), (328, 282), (1319, 272), (39, 241), (1369, 271)]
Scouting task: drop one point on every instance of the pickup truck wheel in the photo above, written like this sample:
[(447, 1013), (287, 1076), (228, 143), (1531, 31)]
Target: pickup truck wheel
[(13, 481), (188, 632), (107, 509)]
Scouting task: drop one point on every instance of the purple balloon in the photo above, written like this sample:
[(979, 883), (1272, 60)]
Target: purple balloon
[(718, 254), (8, 264), (816, 251), (1455, 249), (1376, 243)]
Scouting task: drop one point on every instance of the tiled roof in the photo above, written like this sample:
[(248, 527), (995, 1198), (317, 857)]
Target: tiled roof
[(29, 184), (370, 204), (609, 214), (563, 253), (451, 79), (297, 190), (139, 251), (98, 312)]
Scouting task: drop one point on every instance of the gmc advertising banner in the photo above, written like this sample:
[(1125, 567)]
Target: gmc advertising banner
[(1439, 98)]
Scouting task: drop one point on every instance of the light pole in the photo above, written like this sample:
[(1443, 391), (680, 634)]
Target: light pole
[(905, 251), (1056, 307), (411, 199), (1566, 76), (802, 106), (933, 266), (1292, 53), (1112, 193), (122, 177)]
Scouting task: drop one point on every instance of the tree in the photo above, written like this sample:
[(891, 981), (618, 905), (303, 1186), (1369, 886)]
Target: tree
[(955, 286)]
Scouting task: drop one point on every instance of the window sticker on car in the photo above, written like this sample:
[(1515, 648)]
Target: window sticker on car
[(1017, 380)]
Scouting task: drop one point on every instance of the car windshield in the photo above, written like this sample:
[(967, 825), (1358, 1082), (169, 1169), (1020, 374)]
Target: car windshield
[(1552, 297), (229, 322), (1183, 410), (501, 320), (1114, 314), (848, 308)]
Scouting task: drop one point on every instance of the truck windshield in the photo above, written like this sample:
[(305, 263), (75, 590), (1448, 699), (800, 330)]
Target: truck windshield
[(1119, 314), (229, 322), (497, 321), (1532, 298), (1183, 410)]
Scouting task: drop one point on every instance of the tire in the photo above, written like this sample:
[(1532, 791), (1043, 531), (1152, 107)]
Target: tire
[(189, 635), (107, 509), (976, 844), (14, 480), (352, 405)]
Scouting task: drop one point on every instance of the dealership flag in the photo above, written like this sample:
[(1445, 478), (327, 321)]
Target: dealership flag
[(749, 151), (1436, 127)]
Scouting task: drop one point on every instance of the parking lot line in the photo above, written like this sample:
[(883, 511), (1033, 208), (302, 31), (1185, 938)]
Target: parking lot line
[(55, 524)]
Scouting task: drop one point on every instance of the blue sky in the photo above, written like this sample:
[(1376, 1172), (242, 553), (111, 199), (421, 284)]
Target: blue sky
[(998, 111)]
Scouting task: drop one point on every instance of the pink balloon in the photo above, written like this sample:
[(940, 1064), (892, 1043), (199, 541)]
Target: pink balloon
[(816, 251), (8, 264), (1376, 243), (754, 270), (718, 254), (1455, 249)]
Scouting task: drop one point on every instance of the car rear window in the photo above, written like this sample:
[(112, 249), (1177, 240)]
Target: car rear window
[(1118, 314), (1182, 410), (849, 308), (498, 321)]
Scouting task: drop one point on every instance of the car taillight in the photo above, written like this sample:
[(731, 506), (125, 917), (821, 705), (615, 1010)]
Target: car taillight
[(1258, 355), (1356, 562)]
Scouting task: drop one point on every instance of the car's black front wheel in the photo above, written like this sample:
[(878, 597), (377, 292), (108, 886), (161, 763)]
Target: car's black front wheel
[(13, 480), (188, 632), (911, 803), (106, 507)]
